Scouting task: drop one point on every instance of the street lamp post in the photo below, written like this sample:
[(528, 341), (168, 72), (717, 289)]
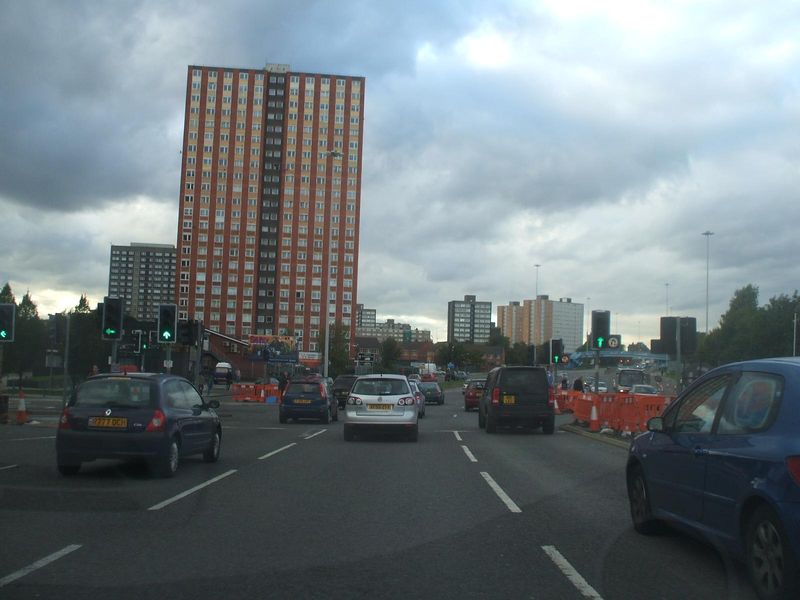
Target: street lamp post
[(666, 285), (537, 279), (708, 235)]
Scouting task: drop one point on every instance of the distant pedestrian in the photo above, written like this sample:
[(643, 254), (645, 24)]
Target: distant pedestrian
[(550, 381), (564, 383), (577, 385), (229, 378)]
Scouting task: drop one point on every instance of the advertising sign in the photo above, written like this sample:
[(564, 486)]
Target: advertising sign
[(274, 348)]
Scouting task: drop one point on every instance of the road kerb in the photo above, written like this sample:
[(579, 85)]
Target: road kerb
[(596, 436)]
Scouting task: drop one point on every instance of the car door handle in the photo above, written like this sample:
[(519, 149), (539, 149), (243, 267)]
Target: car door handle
[(698, 451)]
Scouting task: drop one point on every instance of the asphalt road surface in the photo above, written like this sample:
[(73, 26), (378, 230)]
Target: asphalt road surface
[(294, 511)]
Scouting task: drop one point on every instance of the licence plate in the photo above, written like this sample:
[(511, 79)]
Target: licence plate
[(379, 407), (509, 399), (108, 422), (302, 401)]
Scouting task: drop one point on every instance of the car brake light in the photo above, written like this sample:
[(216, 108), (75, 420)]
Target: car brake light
[(354, 400), (793, 465), (63, 422), (496, 396), (158, 422), (406, 401)]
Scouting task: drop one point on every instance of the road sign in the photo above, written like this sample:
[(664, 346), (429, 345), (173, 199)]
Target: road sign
[(614, 341), (564, 359)]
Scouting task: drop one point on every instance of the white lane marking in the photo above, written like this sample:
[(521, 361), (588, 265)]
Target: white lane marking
[(259, 428), (169, 501), (571, 573), (274, 452), (44, 437), (500, 493), (469, 454), (8, 467), (38, 564), (458, 437), (315, 434)]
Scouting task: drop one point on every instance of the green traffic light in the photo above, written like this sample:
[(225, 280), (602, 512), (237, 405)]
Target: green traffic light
[(555, 358), (110, 331), (600, 342), (3, 333), (166, 335)]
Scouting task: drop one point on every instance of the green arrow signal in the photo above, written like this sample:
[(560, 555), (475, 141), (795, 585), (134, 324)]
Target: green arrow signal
[(166, 335), (110, 331), (600, 342), (3, 333)]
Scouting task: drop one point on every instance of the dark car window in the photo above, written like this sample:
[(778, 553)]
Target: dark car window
[(428, 387), (303, 388), (192, 397), (752, 403), (523, 379), (384, 387), (476, 385), (696, 411), (175, 395), (114, 392), (343, 383)]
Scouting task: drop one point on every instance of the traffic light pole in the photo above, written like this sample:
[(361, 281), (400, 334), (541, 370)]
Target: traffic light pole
[(596, 370), (169, 358), (66, 364)]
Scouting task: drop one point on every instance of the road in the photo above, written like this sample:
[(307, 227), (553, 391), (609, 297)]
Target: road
[(293, 511)]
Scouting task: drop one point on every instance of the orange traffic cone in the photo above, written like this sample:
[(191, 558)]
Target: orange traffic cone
[(22, 411), (594, 422), (556, 408)]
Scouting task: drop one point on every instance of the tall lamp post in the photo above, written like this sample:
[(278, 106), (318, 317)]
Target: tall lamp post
[(708, 235), (327, 358), (666, 285)]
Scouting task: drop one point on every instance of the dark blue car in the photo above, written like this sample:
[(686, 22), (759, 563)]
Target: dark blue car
[(308, 399), (723, 461), (139, 416)]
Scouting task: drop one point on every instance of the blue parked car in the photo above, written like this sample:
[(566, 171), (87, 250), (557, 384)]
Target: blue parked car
[(723, 462)]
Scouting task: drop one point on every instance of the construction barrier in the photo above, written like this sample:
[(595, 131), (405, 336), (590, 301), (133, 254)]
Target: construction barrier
[(620, 412), (250, 392)]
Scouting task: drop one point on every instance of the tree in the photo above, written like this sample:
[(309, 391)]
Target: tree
[(340, 357), (6, 295), (638, 347), (26, 353), (390, 353), (518, 354), (83, 306)]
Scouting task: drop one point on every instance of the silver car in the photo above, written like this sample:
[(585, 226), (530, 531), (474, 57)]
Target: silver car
[(381, 402)]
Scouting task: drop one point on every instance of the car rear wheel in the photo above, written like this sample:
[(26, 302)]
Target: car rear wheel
[(349, 435), (167, 465), (282, 418), (639, 499), (336, 414), (69, 469), (491, 424), (770, 561), (481, 419), (549, 426), (211, 454), (414, 435), (326, 417)]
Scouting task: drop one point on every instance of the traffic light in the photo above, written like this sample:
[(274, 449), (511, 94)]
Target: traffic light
[(8, 314), (186, 332), (556, 350), (167, 323), (112, 319), (688, 327), (601, 329)]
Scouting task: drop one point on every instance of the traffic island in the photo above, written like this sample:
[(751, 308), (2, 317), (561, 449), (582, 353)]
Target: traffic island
[(607, 436)]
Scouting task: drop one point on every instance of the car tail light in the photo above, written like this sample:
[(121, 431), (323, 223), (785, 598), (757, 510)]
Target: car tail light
[(793, 465), (323, 392), (496, 396), (354, 400), (551, 398), (406, 401), (158, 422), (63, 422)]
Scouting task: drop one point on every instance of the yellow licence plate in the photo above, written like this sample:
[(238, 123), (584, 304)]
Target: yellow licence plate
[(108, 422), (302, 401), (379, 407), (509, 399)]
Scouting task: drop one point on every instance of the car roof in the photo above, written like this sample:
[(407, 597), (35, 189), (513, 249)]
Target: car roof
[(136, 375), (383, 376)]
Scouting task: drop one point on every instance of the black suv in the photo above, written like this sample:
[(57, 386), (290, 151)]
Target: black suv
[(341, 388), (516, 395)]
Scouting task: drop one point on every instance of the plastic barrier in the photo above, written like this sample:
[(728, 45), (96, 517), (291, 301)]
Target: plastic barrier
[(244, 392), (622, 412)]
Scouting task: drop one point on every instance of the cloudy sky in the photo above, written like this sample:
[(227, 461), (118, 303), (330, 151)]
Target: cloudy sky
[(596, 139)]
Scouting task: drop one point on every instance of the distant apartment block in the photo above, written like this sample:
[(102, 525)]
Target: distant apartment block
[(143, 275), (537, 321), (269, 211), (469, 320), (365, 317), (402, 332)]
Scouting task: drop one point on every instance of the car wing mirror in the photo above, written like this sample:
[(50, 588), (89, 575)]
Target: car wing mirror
[(213, 404), (656, 424)]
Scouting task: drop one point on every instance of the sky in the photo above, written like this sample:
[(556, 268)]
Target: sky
[(597, 140)]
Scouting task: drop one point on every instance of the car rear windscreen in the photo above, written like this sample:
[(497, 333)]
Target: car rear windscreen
[(524, 379), (115, 392), (429, 387), (302, 388), (381, 387)]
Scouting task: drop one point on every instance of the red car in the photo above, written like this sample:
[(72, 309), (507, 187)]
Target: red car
[(472, 394)]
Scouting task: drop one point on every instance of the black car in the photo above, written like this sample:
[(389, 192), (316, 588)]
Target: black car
[(432, 392), (341, 388), (308, 399), (139, 416), (516, 396)]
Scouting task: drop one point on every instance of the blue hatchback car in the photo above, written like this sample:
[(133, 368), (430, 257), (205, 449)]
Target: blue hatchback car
[(723, 461)]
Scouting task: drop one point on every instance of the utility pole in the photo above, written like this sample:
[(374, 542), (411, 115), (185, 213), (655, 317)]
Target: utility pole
[(65, 396)]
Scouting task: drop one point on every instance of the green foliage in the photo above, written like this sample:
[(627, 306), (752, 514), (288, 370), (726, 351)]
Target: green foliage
[(390, 353), (747, 331), (340, 357), (83, 306), (518, 354), (6, 295)]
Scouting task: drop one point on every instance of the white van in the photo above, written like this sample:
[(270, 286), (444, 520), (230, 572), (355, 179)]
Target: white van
[(221, 372)]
